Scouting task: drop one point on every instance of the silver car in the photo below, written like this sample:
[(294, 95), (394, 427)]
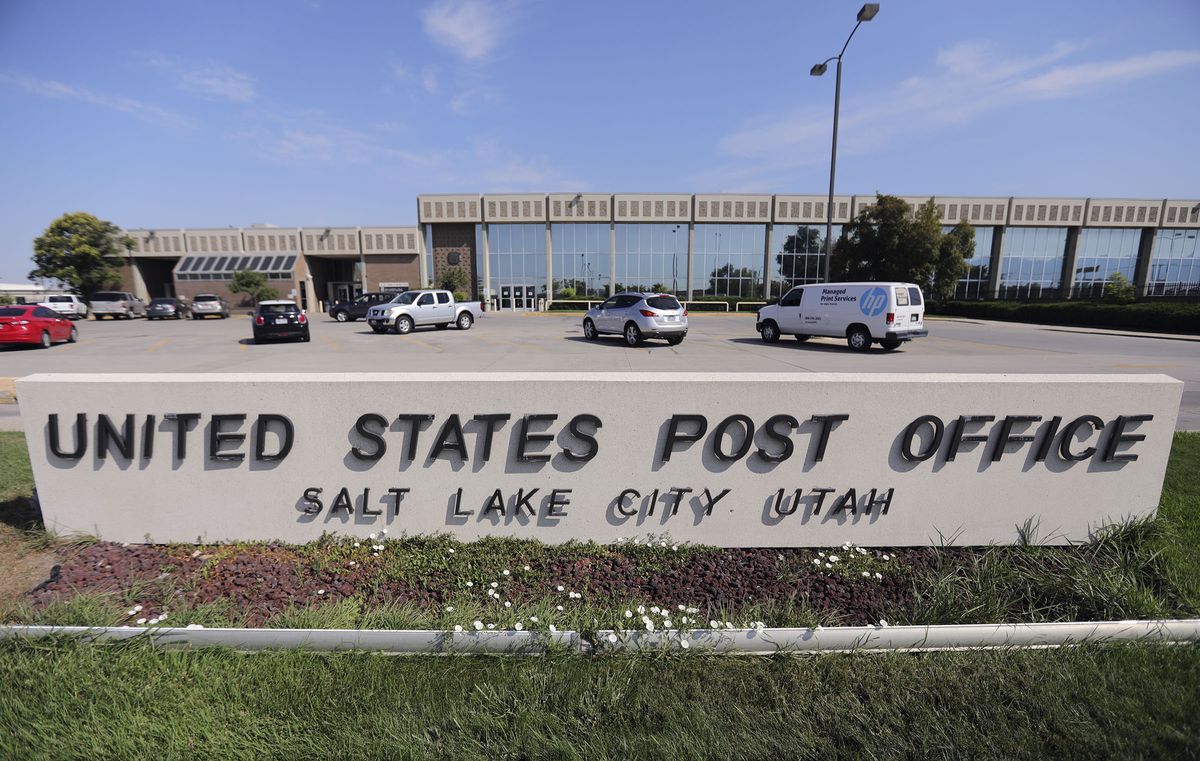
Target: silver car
[(637, 316), (209, 303)]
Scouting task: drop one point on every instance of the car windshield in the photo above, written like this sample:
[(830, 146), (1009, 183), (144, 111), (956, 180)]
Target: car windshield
[(60, 299), (203, 297), (162, 302), (662, 302), (405, 298), (277, 309), (12, 311), (106, 296)]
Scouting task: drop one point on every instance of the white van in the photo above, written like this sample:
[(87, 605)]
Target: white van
[(861, 313)]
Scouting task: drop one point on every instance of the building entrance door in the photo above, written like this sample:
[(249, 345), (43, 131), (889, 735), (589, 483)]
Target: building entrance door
[(519, 298)]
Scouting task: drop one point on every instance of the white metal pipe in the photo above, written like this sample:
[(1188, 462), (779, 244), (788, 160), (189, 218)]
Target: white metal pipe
[(838, 639)]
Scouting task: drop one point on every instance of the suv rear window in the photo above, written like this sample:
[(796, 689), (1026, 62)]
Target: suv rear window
[(161, 301), (59, 299), (108, 296), (277, 309), (203, 297), (662, 302), (914, 296)]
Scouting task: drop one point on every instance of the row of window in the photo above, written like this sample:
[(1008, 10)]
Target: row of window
[(729, 259), (193, 264), (229, 276)]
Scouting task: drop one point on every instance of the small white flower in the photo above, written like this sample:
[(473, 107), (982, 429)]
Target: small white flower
[(887, 556), (828, 565), (681, 607), (662, 544), (714, 624), (558, 607), (470, 584), (684, 619), (131, 613), (505, 571), (507, 604), (196, 554), (194, 626), (883, 622), (553, 628), (141, 621), (816, 561), (353, 563), (867, 574), (457, 628), (728, 624), (629, 614), (759, 625), (878, 575), (533, 619), (641, 609), (525, 568), (494, 584), (655, 609), (612, 638), (649, 626), (356, 544), (451, 550), (385, 531), (667, 623), (449, 608), (478, 625), (693, 610), (674, 548), (491, 626), (518, 626), (834, 558), (371, 537), (684, 644), (320, 591), (560, 587), (821, 554)]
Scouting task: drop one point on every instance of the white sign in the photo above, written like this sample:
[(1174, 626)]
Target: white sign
[(730, 460)]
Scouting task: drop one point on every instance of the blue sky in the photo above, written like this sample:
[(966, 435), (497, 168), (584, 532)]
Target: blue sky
[(195, 114)]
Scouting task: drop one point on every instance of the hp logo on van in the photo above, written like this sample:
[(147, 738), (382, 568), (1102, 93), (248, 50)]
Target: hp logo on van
[(873, 302)]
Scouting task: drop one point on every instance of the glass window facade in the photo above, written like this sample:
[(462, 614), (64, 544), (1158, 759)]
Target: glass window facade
[(580, 260), (728, 260), (1175, 263), (1031, 267), (798, 255), (652, 257), (1100, 253), (518, 258), (974, 284)]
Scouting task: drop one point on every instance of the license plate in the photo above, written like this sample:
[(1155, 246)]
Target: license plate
[(281, 321), (671, 318)]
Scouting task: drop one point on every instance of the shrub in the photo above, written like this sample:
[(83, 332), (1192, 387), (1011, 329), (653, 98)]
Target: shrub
[(5, 299), (1119, 290), (461, 296), (566, 293), (454, 279), (1166, 316)]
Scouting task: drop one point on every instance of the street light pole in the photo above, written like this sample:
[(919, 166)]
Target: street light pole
[(866, 13)]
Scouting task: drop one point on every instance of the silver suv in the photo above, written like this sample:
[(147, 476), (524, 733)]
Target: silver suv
[(209, 303), (637, 316)]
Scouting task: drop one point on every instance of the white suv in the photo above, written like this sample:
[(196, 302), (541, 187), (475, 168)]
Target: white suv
[(69, 306)]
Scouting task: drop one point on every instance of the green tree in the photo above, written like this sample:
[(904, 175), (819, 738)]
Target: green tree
[(454, 279), (81, 251), (887, 241), (1118, 290), (728, 280), (954, 250), (252, 284), (5, 299)]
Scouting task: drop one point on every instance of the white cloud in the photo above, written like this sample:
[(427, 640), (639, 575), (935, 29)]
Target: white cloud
[(215, 81), (470, 28), (49, 88), (429, 79), (968, 80)]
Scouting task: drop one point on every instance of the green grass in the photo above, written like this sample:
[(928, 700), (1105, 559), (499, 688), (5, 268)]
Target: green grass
[(1180, 511), (16, 477), (64, 700)]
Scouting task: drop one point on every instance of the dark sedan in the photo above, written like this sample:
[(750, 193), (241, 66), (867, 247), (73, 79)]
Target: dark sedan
[(167, 309), (279, 319), (344, 311)]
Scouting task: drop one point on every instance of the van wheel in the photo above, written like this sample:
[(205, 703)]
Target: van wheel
[(890, 345), (633, 335), (770, 332), (802, 339), (858, 338)]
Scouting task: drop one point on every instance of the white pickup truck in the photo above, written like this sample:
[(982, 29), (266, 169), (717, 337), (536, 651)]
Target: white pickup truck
[(413, 309)]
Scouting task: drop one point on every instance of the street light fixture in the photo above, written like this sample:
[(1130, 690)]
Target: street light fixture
[(866, 13)]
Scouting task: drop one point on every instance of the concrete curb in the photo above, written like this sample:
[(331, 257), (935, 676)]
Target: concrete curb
[(838, 639)]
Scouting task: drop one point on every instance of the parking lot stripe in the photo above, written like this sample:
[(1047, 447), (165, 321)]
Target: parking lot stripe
[(332, 344), (426, 344), (157, 345)]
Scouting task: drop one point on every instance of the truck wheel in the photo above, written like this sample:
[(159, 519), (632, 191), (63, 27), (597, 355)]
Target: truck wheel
[(770, 332), (858, 338), (801, 338), (890, 345), (340, 316), (465, 320), (404, 325), (633, 335), (589, 330)]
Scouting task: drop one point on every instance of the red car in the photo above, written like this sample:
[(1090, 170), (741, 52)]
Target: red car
[(28, 324)]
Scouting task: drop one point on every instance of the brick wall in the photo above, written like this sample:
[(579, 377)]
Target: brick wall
[(455, 239), (393, 268)]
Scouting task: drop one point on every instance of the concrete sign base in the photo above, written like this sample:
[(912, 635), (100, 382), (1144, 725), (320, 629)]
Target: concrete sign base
[(734, 460)]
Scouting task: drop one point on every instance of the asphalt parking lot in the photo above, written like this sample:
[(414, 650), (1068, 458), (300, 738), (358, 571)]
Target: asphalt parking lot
[(550, 342)]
